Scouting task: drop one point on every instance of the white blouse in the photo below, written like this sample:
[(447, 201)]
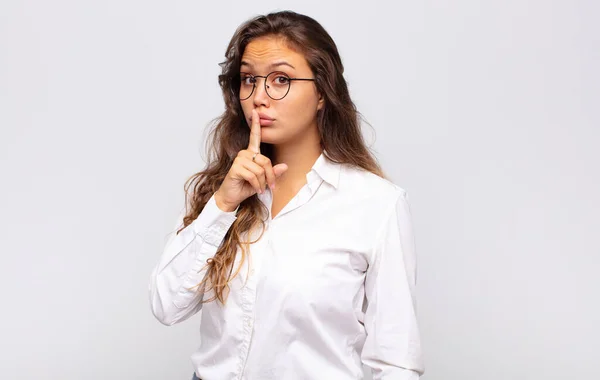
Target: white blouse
[(329, 287)]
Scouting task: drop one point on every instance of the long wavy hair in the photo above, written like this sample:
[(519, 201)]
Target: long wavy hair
[(338, 124)]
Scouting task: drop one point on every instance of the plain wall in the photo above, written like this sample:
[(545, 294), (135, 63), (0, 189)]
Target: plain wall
[(486, 112)]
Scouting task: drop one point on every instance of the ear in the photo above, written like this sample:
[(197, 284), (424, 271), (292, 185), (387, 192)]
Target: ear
[(321, 103)]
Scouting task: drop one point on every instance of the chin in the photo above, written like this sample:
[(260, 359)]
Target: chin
[(267, 135), (276, 136), (266, 138)]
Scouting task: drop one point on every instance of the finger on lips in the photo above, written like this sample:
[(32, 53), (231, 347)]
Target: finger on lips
[(254, 147), (254, 143)]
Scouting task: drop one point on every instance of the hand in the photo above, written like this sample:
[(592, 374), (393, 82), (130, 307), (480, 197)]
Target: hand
[(245, 177)]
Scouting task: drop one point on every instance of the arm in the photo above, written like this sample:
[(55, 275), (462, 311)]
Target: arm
[(392, 348), (174, 296)]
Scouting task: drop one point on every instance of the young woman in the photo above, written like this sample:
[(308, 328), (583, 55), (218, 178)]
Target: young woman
[(295, 248)]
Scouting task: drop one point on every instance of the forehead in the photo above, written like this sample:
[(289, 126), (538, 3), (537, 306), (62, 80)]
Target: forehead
[(263, 52)]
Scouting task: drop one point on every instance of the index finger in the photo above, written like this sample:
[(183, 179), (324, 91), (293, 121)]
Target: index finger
[(254, 144)]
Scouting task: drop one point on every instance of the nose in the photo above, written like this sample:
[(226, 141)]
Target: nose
[(260, 95)]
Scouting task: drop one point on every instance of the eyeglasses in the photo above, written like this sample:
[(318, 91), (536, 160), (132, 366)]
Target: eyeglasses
[(277, 84)]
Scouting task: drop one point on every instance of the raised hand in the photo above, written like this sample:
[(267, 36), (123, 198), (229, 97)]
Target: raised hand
[(250, 172)]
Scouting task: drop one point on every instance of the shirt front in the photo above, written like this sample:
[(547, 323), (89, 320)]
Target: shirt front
[(328, 288)]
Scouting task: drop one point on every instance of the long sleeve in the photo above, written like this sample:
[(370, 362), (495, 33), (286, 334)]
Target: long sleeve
[(174, 296), (392, 348)]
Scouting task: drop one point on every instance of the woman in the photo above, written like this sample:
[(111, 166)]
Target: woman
[(296, 249)]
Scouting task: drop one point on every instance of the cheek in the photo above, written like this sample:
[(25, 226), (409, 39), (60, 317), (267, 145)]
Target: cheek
[(301, 107)]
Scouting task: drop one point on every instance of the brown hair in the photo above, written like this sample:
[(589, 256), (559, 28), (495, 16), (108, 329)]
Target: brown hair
[(338, 124)]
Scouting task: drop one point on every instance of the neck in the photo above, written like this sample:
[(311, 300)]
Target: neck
[(299, 158)]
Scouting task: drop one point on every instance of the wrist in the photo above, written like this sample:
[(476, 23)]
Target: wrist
[(222, 205)]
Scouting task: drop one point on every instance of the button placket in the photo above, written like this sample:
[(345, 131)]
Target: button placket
[(247, 297)]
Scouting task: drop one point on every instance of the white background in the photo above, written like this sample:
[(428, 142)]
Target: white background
[(485, 111)]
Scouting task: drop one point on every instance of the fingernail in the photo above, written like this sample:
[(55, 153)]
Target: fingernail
[(272, 186)]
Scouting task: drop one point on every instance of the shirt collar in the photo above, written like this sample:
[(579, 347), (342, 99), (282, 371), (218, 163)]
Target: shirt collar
[(327, 170)]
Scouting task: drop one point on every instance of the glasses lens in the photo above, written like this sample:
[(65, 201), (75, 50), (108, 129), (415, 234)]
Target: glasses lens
[(246, 85), (278, 85)]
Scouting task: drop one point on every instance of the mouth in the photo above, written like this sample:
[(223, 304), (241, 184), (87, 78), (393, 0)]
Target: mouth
[(264, 120), (264, 116)]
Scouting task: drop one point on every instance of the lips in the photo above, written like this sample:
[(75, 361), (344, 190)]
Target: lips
[(266, 122), (264, 119), (264, 116)]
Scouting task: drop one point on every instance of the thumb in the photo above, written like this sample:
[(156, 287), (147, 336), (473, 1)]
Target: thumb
[(279, 169)]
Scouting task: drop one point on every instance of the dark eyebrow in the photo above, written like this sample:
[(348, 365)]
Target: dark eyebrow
[(274, 64)]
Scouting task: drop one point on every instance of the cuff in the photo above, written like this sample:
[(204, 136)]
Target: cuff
[(213, 223)]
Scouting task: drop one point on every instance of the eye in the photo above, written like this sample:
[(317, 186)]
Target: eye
[(282, 79), (247, 79)]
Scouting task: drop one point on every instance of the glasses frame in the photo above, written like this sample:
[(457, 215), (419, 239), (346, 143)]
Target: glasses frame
[(265, 83)]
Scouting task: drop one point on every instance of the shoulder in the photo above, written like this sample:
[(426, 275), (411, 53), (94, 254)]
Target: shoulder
[(377, 193), (353, 178)]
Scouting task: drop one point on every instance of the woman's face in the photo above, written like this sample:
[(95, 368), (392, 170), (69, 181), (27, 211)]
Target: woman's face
[(294, 116)]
